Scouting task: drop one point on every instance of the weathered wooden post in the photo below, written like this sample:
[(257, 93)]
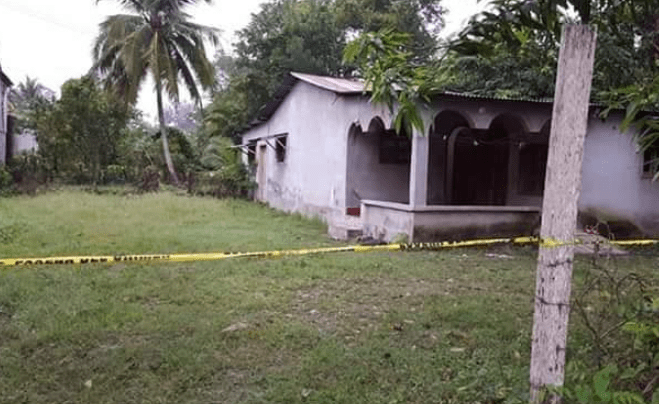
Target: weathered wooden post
[(559, 208)]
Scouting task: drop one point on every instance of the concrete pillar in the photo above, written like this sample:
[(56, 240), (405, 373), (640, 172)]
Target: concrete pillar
[(419, 170)]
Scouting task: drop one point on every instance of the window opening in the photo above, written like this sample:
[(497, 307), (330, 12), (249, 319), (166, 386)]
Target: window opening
[(251, 152), (651, 161), (280, 148), (394, 148)]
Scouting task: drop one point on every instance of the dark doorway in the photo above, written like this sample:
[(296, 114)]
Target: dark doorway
[(480, 168)]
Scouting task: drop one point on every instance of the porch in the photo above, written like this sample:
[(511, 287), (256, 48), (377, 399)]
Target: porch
[(477, 173)]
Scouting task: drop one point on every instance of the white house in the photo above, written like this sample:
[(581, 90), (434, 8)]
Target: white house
[(5, 84), (322, 149)]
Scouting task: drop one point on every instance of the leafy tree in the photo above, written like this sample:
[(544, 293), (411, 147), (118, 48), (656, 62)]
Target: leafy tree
[(228, 113), (516, 44), (396, 78), (159, 39), (286, 35), (309, 36), (420, 19), (89, 123), (27, 98)]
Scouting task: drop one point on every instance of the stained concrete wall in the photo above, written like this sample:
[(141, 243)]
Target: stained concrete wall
[(613, 187), (312, 179), (386, 221)]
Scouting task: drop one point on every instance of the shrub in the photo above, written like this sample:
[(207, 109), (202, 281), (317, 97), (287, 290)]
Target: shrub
[(150, 179), (225, 175), (617, 315), (28, 172)]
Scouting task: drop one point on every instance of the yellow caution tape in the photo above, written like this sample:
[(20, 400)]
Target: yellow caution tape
[(545, 243)]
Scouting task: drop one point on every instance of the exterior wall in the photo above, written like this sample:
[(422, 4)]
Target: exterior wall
[(312, 179), (386, 221), (367, 178), (24, 143), (4, 94), (613, 188)]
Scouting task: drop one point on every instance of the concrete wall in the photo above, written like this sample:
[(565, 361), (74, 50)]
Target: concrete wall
[(386, 221), (367, 178), (312, 179), (4, 94), (613, 188), (24, 143)]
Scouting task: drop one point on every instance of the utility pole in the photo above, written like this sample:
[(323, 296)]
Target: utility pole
[(559, 209)]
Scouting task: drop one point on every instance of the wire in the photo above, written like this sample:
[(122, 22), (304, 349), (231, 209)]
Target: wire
[(45, 18)]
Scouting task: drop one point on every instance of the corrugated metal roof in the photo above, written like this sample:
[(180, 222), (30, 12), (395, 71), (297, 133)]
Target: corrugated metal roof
[(495, 98), (4, 78), (354, 86), (337, 85)]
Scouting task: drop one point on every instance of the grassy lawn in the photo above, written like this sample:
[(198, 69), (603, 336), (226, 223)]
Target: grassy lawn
[(419, 327)]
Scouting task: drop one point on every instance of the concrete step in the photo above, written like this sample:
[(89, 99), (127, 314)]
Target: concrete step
[(346, 228)]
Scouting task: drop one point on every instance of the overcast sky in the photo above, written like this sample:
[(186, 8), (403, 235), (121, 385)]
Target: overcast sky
[(51, 40)]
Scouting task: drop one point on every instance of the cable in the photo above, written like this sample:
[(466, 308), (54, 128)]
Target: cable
[(47, 19)]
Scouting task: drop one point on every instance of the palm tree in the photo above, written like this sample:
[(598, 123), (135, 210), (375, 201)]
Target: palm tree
[(159, 39)]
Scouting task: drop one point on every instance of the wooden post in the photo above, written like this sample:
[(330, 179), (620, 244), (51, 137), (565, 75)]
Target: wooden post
[(559, 208)]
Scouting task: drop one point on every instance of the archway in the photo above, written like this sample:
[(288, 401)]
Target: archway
[(444, 124), (480, 172), (377, 166)]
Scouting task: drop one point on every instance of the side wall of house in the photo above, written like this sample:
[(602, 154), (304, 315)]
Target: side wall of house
[(3, 121), (613, 188), (312, 177)]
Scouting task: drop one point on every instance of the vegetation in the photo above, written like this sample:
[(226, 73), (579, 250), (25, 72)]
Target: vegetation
[(451, 326), (157, 39), (511, 50), (307, 36)]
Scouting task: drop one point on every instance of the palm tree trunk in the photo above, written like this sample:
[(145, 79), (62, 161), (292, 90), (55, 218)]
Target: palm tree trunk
[(163, 132)]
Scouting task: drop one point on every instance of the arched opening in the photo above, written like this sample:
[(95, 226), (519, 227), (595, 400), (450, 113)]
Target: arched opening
[(378, 166), (532, 162), (444, 124), (479, 162)]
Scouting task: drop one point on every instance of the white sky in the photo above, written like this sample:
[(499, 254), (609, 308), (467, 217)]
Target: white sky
[(51, 40)]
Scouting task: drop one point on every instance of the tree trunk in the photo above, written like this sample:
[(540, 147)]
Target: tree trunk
[(163, 135), (559, 209)]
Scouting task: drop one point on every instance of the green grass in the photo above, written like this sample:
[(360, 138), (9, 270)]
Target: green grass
[(422, 327)]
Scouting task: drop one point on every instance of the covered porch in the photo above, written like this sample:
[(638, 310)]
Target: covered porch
[(479, 172)]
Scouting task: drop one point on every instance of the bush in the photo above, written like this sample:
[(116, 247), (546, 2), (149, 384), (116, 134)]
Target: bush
[(617, 315), (225, 174), (6, 182), (150, 179), (28, 173)]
